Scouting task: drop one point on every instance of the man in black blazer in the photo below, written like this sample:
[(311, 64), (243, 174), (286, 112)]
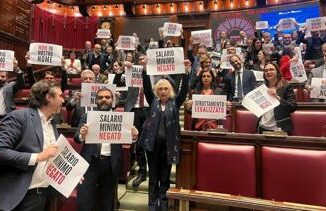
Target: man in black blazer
[(27, 141), (9, 89), (96, 57), (236, 89), (105, 163)]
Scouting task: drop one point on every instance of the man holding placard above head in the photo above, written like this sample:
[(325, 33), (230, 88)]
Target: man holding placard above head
[(239, 82), (106, 130), (49, 75), (280, 116), (160, 136), (316, 81), (8, 89), (27, 141), (87, 76)]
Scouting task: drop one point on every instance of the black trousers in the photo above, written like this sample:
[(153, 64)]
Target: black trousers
[(138, 153), (34, 200), (100, 182), (159, 177)]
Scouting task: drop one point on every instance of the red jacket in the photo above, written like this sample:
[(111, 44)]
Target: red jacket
[(285, 67)]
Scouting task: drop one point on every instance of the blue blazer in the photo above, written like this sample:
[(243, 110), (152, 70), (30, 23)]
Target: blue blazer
[(21, 135)]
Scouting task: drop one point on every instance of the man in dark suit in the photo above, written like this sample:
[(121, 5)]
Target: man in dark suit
[(27, 140), (96, 57), (99, 78), (105, 163), (239, 82), (9, 89)]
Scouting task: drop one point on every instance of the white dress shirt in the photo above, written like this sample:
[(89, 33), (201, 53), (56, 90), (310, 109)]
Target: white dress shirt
[(48, 138)]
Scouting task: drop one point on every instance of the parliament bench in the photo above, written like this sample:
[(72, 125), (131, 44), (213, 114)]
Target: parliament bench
[(252, 170)]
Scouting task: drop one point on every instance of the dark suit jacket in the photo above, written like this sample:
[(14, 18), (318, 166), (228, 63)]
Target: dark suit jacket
[(131, 98), (91, 150), (9, 91), (91, 60), (77, 114), (248, 83), (21, 135)]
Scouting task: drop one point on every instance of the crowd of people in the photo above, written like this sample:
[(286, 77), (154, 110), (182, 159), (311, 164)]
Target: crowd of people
[(27, 136)]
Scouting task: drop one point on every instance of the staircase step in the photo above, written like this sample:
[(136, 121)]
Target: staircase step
[(134, 201)]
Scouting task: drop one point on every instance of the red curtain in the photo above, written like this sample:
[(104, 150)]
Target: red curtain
[(70, 32)]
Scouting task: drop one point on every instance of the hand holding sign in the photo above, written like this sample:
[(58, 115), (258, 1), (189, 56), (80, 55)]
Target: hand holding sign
[(48, 153), (272, 91), (7, 60), (83, 131), (65, 170), (187, 63), (134, 133)]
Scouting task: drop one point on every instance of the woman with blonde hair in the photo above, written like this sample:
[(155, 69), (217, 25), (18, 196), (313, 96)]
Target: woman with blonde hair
[(160, 136)]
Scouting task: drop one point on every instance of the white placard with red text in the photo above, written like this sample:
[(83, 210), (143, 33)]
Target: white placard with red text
[(259, 75), (134, 76), (126, 43), (45, 54), (262, 25), (298, 72), (319, 88), (109, 127), (103, 33), (286, 24), (7, 60), (172, 29), (316, 24), (64, 171), (165, 61), (209, 106), (258, 101), (202, 36), (89, 91)]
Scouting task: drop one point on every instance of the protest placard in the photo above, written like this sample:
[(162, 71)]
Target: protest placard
[(64, 171), (262, 25), (259, 75), (172, 29), (134, 76), (165, 61), (319, 88), (202, 36), (7, 60), (209, 106), (298, 72), (258, 101), (316, 24), (286, 24), (89, 91), (103, 33), (45, 54), (126, 43), (109, 127)]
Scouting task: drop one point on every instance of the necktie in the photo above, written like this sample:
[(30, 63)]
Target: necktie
[(141, 97), (239, 86)]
